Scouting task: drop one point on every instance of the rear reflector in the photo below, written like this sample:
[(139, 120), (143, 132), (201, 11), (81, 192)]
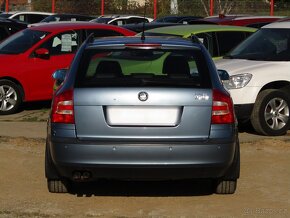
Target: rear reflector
[(63, 108), (222, 108)]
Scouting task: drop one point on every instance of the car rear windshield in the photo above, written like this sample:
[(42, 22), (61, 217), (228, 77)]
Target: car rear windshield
[(143, 67), (21, 41)]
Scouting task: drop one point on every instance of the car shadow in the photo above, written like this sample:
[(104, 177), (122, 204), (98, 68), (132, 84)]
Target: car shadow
[(35, 105), (143, 188), (247, 128)]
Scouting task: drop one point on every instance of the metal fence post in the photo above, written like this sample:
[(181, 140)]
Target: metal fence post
[(102, 7), (272, 8), (53, 6), (211, 7), (7, 6), (155, 9)]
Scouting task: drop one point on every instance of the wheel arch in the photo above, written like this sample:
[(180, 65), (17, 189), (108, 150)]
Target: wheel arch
[(17, 83), (276, 85)]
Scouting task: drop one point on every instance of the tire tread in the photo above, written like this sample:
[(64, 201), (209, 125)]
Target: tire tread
[(57, 186), (226, 187)]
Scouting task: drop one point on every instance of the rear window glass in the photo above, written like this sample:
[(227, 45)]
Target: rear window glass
[(143, 67)]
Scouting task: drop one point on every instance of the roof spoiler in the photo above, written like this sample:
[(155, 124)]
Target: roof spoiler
[(195, 39)]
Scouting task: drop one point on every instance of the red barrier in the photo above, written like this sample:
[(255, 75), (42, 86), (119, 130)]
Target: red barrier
[(155, 9), (272, 8), (53, 6), (7, 6), (103, 7), (211, 7)]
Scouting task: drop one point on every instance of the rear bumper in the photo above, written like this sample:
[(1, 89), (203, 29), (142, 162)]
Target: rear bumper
[(159, 160), (135, 161)]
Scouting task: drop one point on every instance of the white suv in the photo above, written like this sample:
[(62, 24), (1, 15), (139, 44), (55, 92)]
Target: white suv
[(259, 83), (120, 20), (26, 16)]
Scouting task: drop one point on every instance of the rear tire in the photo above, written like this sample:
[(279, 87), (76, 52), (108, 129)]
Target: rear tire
[(10, 97), (54, 183), (228, 183), (226, 187), (57, 186)]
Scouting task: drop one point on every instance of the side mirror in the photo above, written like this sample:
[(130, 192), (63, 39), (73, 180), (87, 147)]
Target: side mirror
[(224, 75), (58, 76), (42, 53)]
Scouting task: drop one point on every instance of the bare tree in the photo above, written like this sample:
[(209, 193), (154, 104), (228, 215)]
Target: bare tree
[(174, 7), (223, 6), (205, 7)]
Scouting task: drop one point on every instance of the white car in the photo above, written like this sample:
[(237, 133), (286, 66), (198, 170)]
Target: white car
[(26, 16), (259, 83), (120, 20)]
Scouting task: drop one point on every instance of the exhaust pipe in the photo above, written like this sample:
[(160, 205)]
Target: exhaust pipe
[(81, 175)]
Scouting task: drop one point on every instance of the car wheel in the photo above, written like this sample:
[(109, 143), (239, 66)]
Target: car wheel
[(10, 97), (54, 183), (226, 187), (228, 183), (57, 186), (270, 115)]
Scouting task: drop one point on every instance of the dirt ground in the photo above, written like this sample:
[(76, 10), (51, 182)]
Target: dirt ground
[(263, 189)]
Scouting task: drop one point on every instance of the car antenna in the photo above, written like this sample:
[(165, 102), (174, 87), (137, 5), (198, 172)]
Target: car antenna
[(143, 26)]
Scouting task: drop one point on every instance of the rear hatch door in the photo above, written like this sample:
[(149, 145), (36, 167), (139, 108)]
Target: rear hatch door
[(138, 114)]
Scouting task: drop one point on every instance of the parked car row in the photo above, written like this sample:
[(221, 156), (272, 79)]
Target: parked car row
[(30, 17), (150, 105), (238, 20)]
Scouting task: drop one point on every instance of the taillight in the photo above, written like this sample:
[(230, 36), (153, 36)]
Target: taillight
[(63, 108), (222, 108)]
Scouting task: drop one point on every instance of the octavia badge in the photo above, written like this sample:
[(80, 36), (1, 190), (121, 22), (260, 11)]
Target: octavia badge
[(143, 96)]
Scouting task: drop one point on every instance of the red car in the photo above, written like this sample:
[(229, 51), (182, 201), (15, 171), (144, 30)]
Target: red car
[(239, 20), (29, 58)]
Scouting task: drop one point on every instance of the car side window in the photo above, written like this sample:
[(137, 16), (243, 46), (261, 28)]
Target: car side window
[(64, 43), (35, 18), (227, 40), (3, 33), (20, 17), (207, 40), (119, 22), (136, 20)]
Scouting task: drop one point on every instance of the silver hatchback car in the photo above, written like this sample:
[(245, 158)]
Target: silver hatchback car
[(139, 109)]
